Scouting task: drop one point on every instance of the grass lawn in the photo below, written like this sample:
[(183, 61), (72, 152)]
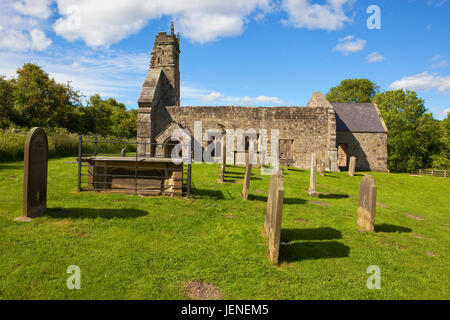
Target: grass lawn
[(131, 247)]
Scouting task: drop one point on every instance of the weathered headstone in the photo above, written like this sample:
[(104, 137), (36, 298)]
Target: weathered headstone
[(224, 159), (322, 167), (269, 204), (328, 165), (274, 215), (352, 166), (312, 178), (367, 203), (248, 174), (35, 175)]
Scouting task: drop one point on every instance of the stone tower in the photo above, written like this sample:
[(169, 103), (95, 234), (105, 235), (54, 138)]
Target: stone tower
[(166, 57), (161, 87)]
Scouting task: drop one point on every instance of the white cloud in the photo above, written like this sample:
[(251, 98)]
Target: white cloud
[(437, 3), (20, 25), (375, 57), (36, 8), (212, 97), (111, 74), (17, 40), (438, 62), (423, 81), (264, 100), (14, 40), (329, 16), (350, 44), (197, 96), (444, 113), (104, 22), (39, 41)]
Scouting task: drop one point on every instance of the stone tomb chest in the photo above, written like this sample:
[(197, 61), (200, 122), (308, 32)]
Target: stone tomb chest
[(144, 176)]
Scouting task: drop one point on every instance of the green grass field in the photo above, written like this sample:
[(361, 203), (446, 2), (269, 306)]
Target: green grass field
[(131, 247)]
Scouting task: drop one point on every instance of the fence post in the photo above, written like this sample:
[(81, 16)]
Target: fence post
[(95, 146), (136, 169), (80, 142), (188, 189)]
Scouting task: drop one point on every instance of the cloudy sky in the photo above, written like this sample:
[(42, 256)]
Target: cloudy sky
[(240, 52)]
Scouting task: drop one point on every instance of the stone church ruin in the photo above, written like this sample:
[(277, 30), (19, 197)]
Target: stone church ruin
[(334, 132)]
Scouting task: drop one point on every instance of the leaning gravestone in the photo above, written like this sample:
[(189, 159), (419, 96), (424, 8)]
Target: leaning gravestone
[(367, 203), (274, 215), (312, 178), (247, 177), (322, 167), (352, 166), (35, 175), (269, 204)]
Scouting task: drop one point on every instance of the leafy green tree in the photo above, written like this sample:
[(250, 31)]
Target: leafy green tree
[(34, 99), (353, 90), (97, 116), (109, 117), (41, 101), (6, 101), (442, 160), (414, 136)]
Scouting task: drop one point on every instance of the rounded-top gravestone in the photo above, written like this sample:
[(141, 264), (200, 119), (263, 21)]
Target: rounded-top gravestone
[(35, 175)]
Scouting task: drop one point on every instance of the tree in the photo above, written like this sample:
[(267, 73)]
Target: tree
[(413, 133), (6, 101), (109, 117), (41, 101), (97, 116), (442, 160), (353, 90)]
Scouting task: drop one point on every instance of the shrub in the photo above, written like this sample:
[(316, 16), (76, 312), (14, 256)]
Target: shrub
[(61, 143)]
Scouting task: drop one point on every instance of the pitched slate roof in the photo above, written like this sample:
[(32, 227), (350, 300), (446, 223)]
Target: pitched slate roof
[(357, 117)]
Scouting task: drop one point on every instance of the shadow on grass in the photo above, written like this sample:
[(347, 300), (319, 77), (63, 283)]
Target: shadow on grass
[(390, 228), (295, 170), (333, 196), (235, 174), (328, 175), (254, 197), (87, 213), (6, 166), (299, 251), (207, 193), (229, 180), (240, 176), (289, 235)]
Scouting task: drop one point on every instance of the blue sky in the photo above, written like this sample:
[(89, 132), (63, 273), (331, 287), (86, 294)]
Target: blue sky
[(242, 52)]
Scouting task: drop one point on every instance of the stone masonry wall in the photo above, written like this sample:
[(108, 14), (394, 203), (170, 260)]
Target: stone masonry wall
[(308, 127), (370, 149)]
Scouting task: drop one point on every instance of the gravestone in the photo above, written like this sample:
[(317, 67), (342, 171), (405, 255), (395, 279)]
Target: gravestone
[(35, 175), (269, 204), (248, 174), (322, 167), (367, 203), (312, 178), (274, 214), (352, 166), (224, 159)]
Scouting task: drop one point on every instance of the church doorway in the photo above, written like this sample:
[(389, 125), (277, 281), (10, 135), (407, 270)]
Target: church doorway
[(168, 147), (343, 156)]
